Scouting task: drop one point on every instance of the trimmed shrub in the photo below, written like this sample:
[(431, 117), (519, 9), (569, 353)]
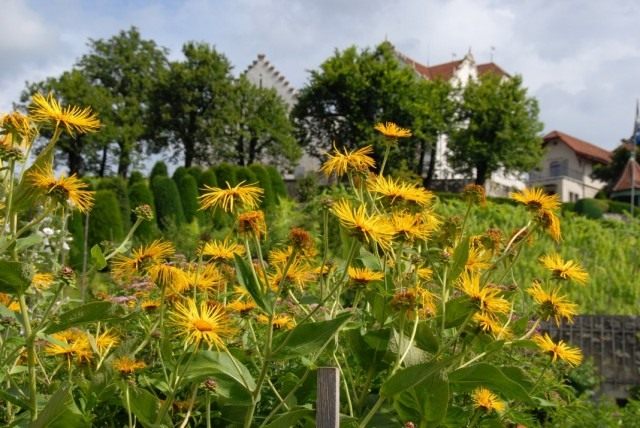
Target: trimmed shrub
[(179, 173), (135, 177), (75, 226), (140, 194), (591, 208), (225, 173), (208, 178), (269, 197), (307, 187), (167, 202), (118, 186), (245, 174), (618, 207), (105, 220), (188, 190), (279, 188), (159, 169), (195, 172)]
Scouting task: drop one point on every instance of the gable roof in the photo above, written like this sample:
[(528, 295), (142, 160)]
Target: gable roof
[(446, 70), (581, 147), (631, 169)]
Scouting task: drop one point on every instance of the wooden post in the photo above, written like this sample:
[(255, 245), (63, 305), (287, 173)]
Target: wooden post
[(328, 399)]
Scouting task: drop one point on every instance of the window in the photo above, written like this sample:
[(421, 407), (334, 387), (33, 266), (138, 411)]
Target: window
[(573, 197), (558, 167)]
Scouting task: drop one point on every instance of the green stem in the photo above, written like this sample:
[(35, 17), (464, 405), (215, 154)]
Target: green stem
[(31, 357), (384, 159), (126, 240)]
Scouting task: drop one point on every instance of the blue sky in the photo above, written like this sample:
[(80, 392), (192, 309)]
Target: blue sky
[(581, 59)]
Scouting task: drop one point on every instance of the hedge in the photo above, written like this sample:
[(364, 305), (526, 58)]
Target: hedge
[(167, 202)]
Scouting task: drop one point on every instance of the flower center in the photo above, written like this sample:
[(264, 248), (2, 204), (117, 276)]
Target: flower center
[(202, 325)]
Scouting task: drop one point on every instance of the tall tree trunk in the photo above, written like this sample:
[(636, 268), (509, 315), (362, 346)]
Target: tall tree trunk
[(421, 152), (432, 167), (240, 151), (189, 153), (481, 173), (124, 160), (103, 161), (75, 163), (253, 143)]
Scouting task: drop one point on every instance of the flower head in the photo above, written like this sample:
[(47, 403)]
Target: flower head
[(252, 223), (142, 259), (552, 304), (486, 400), (105, 341), (536, 199), (363, 276), (204, 323), (42, 281), (486, 298), (126, 365), (222, 251), (340, 163), (395, 191), (366, 227), (279, 322), (73, 118), (246, 195), (392, 131), (564, 270), (411, 227), (241, 307), (549, 222), (558, 351), (73, 344), (64, 189)]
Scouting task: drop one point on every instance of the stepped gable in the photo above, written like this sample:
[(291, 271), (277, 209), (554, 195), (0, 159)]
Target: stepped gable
[(631, 169), (581, 147), (272, 71)]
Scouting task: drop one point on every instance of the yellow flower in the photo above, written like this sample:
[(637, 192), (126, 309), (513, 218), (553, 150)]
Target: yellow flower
[(252, 223), (363, 276), (535, 199), (73, 118), (150, 305), (550, 222), (486, 298), (71, 344), (64, 189), (486, 400), (246, 195), (205, 278), (279, 322), (208, 323), (106, 341), (298, 274), (392, 131), (395, 191), (340, 163), (222, 251), (367, 228), (558, 351), (242, 308), (127, 365), (411, 227), (490, 324), (425, 273), (18, 123), (169, 276), (477, 260), (552, 304), (42, 281), (561, 270), (142, 259), (301, 240)]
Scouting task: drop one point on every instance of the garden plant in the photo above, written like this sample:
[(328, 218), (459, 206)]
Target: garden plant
[(425, 321)]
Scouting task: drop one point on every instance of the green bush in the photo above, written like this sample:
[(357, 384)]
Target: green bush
[(140, 194), (591, 208), (307, 187), (179, 173), (135, 177), (159, 169), (268, 198), (167, 202), (208, 178), (195, 172), (245, 174), (118, 185), (279, 188), (225, 173), (568, 207), (75, 227), (188, 190), (618, 207), (105, 220)]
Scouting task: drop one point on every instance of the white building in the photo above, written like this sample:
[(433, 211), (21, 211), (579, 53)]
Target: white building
[(264, 75), (459, 73), (567, 165)]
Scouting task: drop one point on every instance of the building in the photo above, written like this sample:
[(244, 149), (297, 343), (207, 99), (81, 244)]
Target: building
[(265, 75), (567, 165), (459, 72)]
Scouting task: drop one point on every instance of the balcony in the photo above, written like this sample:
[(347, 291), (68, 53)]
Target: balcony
[(557, 172)]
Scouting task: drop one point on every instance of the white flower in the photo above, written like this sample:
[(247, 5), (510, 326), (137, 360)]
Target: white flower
[(65, 246), (48, 231)]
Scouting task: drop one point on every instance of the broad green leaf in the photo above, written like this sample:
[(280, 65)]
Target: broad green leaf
[(25, 193), (248, 280), (307, 338), (98, 257), (490, 376), (89, 312), (411, 377), (457, 310), (13, 278), (211, 363), (291, 418), (369, 357), (425, 338), (427, 402), (459, 260), (144, 405), (11, 396), (60, 412), (28, 241)]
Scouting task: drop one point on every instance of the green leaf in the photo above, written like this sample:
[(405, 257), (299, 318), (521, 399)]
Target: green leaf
[(425, 338), (12, 397), (411, 377), (211, 363), (492, 377), (428, 402), (248, 280), (13, 278), (459, 260), (144, 405), (291, 418), (98, 257), (60, 412), (25, 193), (89, 312), (457, 310), (28, 241), (307, 338)]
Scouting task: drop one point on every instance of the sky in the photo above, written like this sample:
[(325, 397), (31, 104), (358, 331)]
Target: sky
[(580, 59)]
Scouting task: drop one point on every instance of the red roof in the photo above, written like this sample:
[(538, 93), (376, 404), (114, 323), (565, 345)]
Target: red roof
[(446, 70), (631, 169), (581, 147)]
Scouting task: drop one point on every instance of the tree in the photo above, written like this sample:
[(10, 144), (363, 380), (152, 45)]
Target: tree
[(350, 93), (499, 128), (127, 67), (611, 173), (189, 107), (259, 128)]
